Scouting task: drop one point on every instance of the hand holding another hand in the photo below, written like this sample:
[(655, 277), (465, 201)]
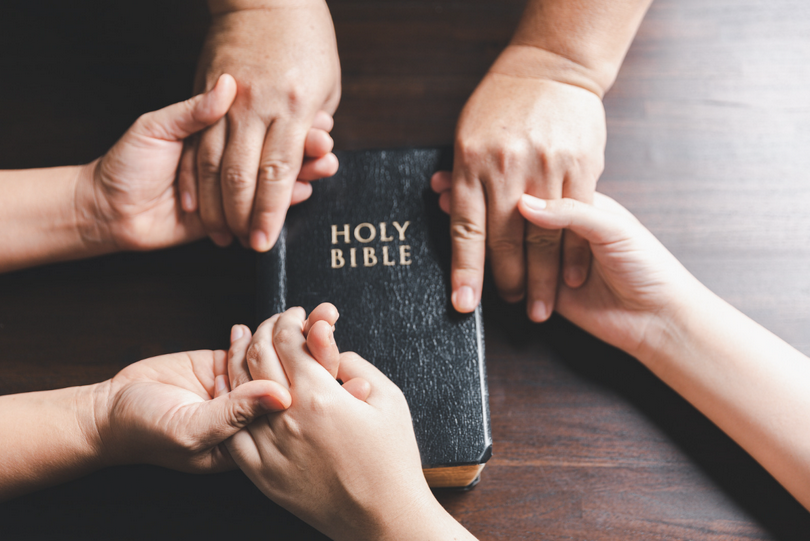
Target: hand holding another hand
[(174, 411), (130, 195), (241, 175), (520, 134), (636, 287), (342, 457)]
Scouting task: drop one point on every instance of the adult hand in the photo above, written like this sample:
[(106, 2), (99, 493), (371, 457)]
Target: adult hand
[(175, 411), (342, 457), (242, 172), (130, 191), (636, 287), (520, 134)]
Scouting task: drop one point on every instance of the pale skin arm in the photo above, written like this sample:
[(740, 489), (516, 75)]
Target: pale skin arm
[(165, 411), (639, 298), (535, 125), (40, 221), (174, 411)]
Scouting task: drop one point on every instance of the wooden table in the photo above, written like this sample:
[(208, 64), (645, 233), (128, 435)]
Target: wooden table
[(709, 144)]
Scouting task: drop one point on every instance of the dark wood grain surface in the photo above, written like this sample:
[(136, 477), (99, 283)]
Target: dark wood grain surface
[(709, 144)]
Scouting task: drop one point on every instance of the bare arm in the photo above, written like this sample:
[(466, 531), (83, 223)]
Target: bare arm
[(41, 222), (577, 42), (748, 381), (166, 411), (639, 298), (49, 437), (125, 200)]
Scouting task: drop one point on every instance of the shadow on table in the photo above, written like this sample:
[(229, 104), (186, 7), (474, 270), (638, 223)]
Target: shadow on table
[(738, 475)]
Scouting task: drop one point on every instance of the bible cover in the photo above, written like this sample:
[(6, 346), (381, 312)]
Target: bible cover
[(373, 241)]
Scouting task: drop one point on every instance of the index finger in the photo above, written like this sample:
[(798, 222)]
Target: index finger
[(281, 160), (468, 224), (262, 359), (291, 346)]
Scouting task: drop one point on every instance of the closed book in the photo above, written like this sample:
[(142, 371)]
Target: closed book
[(373, 241)]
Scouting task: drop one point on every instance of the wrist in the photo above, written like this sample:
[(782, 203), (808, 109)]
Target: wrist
[(223, 7), (92, 223), (672, 334), (533, 62), (424, 519), (92, 414)]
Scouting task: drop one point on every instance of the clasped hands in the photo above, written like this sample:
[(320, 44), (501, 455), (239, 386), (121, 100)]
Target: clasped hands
[(324, 434)]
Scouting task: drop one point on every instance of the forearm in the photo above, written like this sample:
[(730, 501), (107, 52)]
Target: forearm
[(750, 383), (579, 42), (48, 438), (41, 220), (219, 7)]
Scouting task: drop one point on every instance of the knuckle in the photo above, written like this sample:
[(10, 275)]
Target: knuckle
[(510, 154), (275, 171), (469, 150), (504, 246), (292, 427), (254, 353), (208, 167), (188, 443), (543, 240), (564, 160), (566, 206), (142, 123), (240, 415), (466, 231), (284, 337), (237, 179), (319, 404), (296, 97)]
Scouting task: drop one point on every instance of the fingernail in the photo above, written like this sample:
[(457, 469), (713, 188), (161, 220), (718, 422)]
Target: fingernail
[(221, 239), (236, 333), (574, 276), (464, 299), (258, 240), (539, 311), (188, 204), (221, 387), (275, 403), (534, 203)]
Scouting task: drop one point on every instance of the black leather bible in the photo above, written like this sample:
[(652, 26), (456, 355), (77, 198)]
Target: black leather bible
[(373, 241)]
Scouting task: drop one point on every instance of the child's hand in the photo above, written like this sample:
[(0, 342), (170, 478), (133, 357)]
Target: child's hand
[(342, 457), (635, 286), (163, 411)]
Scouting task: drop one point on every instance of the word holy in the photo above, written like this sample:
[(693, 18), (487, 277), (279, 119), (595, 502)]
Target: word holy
[(365, 233)]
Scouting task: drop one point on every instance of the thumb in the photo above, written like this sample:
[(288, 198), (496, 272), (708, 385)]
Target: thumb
[(594, 223), (218, 419), (178, 121)]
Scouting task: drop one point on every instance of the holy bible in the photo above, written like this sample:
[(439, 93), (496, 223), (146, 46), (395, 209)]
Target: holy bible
[(373, 241)]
